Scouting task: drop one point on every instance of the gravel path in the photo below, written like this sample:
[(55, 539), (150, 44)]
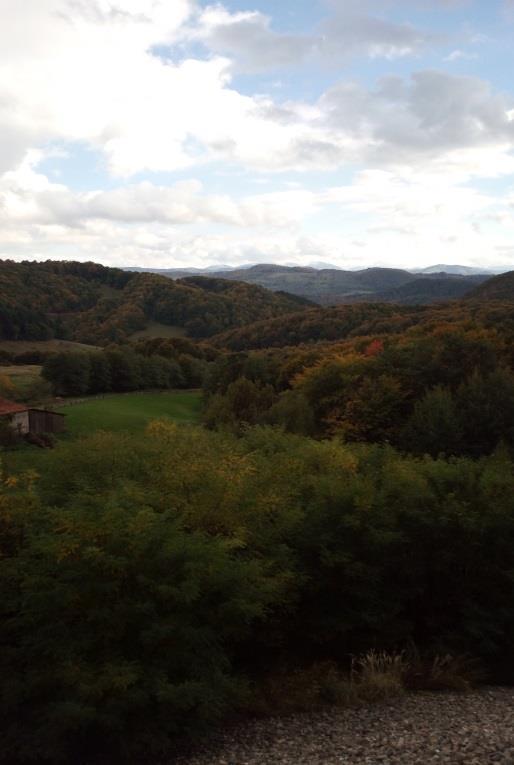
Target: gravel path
[(475, 729)]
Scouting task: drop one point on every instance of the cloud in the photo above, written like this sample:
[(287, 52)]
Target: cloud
[(459, 55), (248, 39), (89, 71), (247, 36), (383, 216), (82, 71), (29, 198), (61, 82), (85, 72), (432, 116)]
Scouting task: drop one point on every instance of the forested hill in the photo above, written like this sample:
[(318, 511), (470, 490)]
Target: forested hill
[(498, 288), (331, 286), (320, 324), (365, 319), (433, 289), (90, 303)]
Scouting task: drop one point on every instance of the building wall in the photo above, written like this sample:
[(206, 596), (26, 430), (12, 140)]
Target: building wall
[(41, 421), (20, 422)]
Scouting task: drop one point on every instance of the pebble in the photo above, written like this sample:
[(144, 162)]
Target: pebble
[(418, 729)]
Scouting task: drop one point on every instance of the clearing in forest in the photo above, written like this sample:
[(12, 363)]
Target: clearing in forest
[(131, 412)]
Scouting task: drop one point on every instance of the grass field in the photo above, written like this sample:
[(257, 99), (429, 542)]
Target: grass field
[(131, 412), (19, 381), (154, 329), (23, 346)]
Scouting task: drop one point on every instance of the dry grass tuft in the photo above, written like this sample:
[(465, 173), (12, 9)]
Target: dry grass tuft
[(378, 675), (374, 677), (443, 673)]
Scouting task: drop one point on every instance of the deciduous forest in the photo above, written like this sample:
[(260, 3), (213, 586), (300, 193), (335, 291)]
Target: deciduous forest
[(348, 489)]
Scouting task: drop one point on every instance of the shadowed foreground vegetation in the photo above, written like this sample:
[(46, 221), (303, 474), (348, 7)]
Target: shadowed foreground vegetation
[(148, 582)]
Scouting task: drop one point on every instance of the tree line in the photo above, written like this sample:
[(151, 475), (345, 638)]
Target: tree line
[(119, 369)]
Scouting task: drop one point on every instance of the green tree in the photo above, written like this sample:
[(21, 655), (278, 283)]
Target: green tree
[(435, 425), (486, 404), (100, 373), (68, 373), (293, 412)]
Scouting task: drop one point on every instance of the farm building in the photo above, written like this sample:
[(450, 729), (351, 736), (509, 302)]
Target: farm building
[(26, 419)]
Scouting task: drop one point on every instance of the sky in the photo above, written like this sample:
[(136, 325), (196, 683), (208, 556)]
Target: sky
[(174, 133)]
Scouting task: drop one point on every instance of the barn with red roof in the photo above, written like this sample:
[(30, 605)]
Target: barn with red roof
[(25, 419)]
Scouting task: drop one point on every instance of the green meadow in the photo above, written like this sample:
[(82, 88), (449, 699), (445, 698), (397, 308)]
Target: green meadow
[(130, 412)]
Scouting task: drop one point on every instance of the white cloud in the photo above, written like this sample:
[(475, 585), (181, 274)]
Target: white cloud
[(460, 55), (29, 198), (247, 37), (84, 71), (384, 217), (88, 71), (433, 116)]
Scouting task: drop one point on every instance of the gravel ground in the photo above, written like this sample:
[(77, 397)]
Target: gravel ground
[(420, 729)]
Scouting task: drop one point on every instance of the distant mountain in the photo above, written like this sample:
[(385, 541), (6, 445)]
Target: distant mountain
[(321, 264), (454, 270), (498, 288), (326, 286), (332, 287), (177, 273)]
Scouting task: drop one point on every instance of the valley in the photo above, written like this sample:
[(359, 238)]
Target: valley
[(250, 490)]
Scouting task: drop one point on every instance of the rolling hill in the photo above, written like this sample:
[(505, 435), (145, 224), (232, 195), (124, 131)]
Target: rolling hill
[(431, 290), (330, 286), (498, 288), (328, 324), (89, 303)]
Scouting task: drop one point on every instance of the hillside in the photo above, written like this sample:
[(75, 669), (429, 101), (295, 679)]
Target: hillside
[(337, 323), (330, 286), (320, 325), (89, 303), (432, 290), (325, 286), (498, 288)]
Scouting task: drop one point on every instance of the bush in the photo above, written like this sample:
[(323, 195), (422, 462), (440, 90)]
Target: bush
[(117, 627), (152, 577), (9, 437)]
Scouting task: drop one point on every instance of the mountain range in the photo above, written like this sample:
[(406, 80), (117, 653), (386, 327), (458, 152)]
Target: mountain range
[(332, 286)]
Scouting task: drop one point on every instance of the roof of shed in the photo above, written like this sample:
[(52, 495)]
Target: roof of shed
[(11, 407), (46, 411)]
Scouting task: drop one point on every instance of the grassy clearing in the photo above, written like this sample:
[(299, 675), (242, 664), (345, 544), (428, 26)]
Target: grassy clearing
[(154, 329), (25, 346), (21, 382), (130, 412), (21, 370)]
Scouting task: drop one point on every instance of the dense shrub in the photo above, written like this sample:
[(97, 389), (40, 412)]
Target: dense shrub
[(117, 627), (144, 580)]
